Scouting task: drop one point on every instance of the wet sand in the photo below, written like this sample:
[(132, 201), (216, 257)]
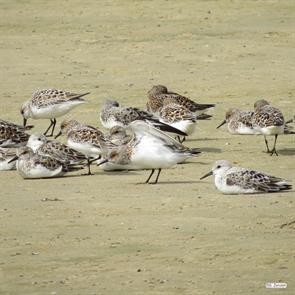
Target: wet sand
[(107, 233)]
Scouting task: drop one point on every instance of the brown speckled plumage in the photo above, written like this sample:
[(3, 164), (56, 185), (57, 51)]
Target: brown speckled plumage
[(58, 151), (112, 114), (268, 121), (29, 160), (173, 112), (46, 97), (158, 93), (251, 179), (266, 115), (12, 135)]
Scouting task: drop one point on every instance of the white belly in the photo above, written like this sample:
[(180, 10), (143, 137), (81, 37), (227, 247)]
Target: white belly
[(37, 171), (151, 154), (272, 130), (54, 110), (185, 126), (242, 129), (220, 183)]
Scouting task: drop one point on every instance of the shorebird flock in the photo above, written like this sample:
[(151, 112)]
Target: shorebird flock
[(135, 139)]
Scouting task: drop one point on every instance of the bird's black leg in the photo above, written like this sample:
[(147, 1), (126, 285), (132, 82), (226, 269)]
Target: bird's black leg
[(88, 164), (156, 181), (274, 151), (147, 181), (178, 138), (54, 123), (183, 140), (266, 143), (51, 123)]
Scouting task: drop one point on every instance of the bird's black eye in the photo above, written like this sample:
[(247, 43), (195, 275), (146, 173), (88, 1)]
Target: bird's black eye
[(39, 139), (218, 167), (22, 112)]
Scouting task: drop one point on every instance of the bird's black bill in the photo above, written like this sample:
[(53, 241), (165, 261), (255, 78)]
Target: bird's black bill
[(13, 159), (222, 123), (102, 162), (57, 135), (25, 122), (206, 175)]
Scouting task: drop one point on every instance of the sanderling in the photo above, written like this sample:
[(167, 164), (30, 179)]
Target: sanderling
[(158, 93), (112, 114), (31, 165), (150, 149), (50, 104), (268, 120), (5, 156), (12, 135), (236, 180), (84, 139), (178, 116), (117, 136), (40, 144), (239, 122)]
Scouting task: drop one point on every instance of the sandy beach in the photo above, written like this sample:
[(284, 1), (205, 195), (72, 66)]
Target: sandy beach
[(109, 234)]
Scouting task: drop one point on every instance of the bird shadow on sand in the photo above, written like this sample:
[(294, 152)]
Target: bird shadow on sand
[(57, 177), (210, 150), (121, 172), (110, 173), (287, 152), (201, 139), (195, 163), (169, 182)]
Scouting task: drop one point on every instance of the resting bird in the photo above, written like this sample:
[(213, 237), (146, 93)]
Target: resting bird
[(40, 144), (12, 135), (31, 165), (149, 149), (112, 114), (178, 116), (158, 93), (236, 180), (83, 138)]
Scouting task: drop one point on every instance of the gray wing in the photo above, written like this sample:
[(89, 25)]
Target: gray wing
[(61, 152)]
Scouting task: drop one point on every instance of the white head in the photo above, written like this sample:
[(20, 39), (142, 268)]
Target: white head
[(219, 167), (228, 116), (36, 140), (26, 111), (109, 103)]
